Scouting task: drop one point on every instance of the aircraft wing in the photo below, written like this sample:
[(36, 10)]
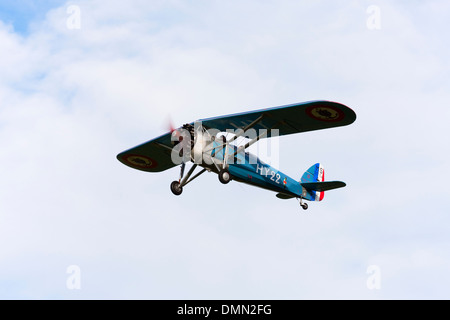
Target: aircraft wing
[(288, 119), (155, 155), (151, 156)]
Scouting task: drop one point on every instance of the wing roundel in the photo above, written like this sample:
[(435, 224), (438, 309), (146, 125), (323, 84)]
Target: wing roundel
[(151, 156)]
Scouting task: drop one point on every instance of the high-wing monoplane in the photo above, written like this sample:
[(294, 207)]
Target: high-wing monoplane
[(212, 144)]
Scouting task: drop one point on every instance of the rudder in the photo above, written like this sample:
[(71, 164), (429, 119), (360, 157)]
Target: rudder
[(315, 173)]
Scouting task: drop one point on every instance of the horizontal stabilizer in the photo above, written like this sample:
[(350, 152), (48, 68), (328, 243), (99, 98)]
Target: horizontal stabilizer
[(284, 196), (323, 186)]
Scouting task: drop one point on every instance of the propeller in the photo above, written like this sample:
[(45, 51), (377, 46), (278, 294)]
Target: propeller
[(173, 130), (170, 125)]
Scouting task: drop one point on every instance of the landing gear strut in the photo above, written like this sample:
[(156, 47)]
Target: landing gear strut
[(177, 186)]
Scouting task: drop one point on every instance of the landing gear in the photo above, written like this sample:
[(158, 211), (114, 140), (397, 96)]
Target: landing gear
[(176, 188), (302, 204), (224, 176)]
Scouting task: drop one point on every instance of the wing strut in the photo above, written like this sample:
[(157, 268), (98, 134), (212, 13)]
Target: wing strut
[(248, 144), (163, 146), (251, 125), (238, 135)]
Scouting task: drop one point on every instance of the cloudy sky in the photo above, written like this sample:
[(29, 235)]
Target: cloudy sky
[(82, 81)]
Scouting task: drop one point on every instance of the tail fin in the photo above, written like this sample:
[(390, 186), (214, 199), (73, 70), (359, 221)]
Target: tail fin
[(314, 174), (314, 185)]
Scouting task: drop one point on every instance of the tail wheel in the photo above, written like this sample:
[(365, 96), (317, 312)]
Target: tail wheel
[(176, 188), (305, 206), (224, 176)]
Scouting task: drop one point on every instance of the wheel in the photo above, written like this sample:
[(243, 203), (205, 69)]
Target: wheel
[(224, 176), (176, 188), (305, 206)]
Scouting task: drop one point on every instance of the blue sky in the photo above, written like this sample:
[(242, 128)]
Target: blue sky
[(22, 12), (72, 99)]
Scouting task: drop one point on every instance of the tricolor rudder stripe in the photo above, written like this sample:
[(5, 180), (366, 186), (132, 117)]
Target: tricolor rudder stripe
[(320, 177)]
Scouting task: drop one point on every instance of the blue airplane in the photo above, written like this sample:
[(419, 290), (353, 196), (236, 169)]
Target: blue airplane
[(205, 144)]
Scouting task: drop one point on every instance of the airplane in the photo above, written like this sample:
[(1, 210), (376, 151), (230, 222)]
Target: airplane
[(205, 144)]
